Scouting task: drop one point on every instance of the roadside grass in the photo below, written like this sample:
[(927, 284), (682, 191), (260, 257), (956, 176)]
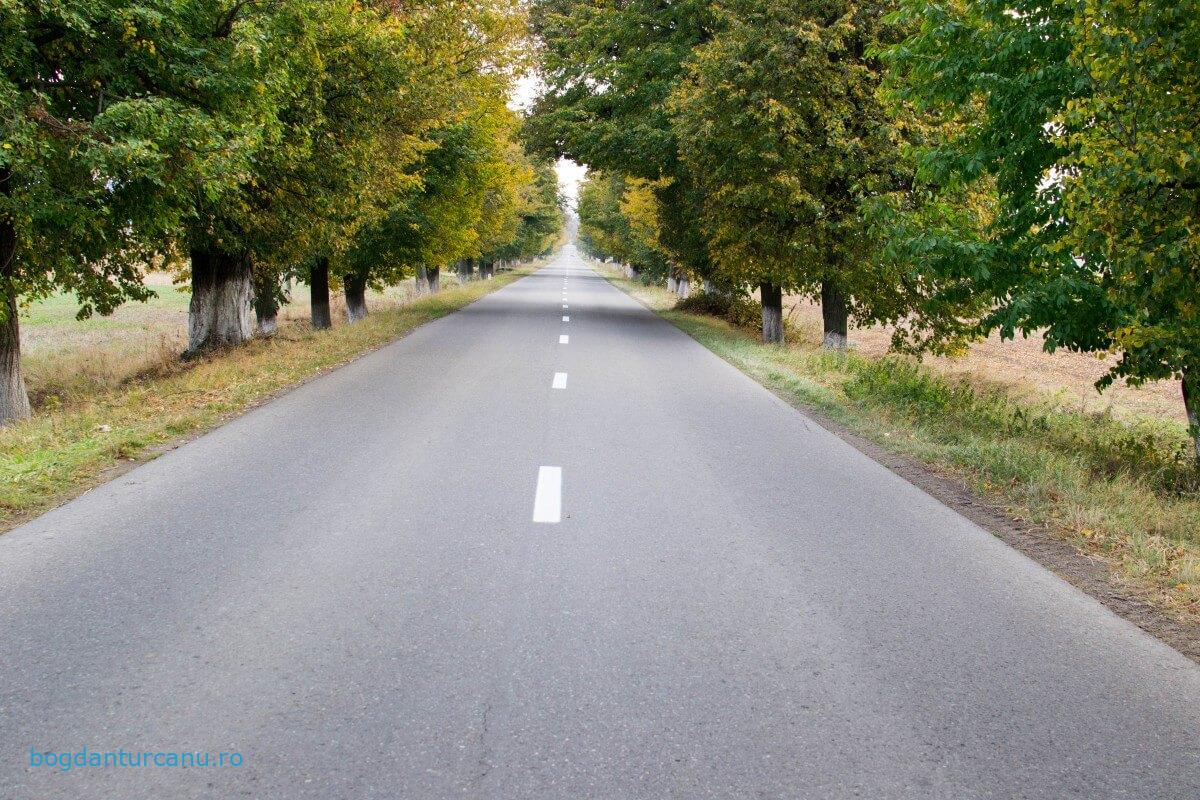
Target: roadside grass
[(75, 441), (1124, 490), (65, 358)]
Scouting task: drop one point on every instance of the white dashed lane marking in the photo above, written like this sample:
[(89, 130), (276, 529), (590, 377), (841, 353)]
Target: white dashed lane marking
[(547, 499)]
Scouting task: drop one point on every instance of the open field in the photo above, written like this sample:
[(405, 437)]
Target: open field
[(1120, 487), (113, 390), (66, 359), (1021, 366)]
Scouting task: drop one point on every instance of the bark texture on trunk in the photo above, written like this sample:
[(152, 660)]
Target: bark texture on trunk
[(14, 399), (318, 286), (465, 268), (772, 312), (1191, 402), (222, 299), (834, 314), (422, 280), (356, 296), (266, 305), (434, 274)]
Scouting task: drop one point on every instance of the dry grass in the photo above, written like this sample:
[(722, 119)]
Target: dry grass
[(124, 404), (65, 359), (1120, 487), (1021, 366)]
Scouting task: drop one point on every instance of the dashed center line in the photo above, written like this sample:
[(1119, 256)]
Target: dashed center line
[(547, 499), (560, 381), (564, 339), (566, 318)]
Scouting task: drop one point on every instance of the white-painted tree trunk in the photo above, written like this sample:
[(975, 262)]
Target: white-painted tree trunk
[(421, 281), (685, 287), (14, 399), (356, 308), (221, 310), (672, 284)]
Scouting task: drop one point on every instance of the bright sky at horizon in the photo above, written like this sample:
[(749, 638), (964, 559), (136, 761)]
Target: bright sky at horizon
[(570, 174)]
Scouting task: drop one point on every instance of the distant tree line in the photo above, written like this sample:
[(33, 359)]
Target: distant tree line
[(952, 169), (346, 143)]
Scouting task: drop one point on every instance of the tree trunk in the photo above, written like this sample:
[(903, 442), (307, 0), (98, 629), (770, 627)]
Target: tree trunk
[(834, 314), (14, 400), (435, 279), (685, 287), (318, 286), (772, 312), (1191, 402), (422, 281), (464, 270), (672, 284), (266, 304), (222, 297), (356, 296)]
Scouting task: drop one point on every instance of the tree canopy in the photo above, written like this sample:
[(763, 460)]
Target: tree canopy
[(342, 140), (954, 169)]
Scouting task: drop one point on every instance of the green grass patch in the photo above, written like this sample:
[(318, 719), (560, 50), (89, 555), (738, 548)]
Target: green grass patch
[(68, 446), (1125, 490)]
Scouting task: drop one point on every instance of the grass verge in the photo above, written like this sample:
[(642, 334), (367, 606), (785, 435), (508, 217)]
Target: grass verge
[(1123, 491), (65, 449)]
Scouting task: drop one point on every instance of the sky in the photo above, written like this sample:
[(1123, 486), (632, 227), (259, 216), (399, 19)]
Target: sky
[(570, 174)]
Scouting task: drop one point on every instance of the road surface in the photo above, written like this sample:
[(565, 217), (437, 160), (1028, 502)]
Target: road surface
[(360, 590)]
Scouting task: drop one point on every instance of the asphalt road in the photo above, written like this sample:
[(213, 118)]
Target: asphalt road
[(346, 587)]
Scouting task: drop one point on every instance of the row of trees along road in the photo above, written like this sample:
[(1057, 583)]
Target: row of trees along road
[(954, 170), (342, 142)]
